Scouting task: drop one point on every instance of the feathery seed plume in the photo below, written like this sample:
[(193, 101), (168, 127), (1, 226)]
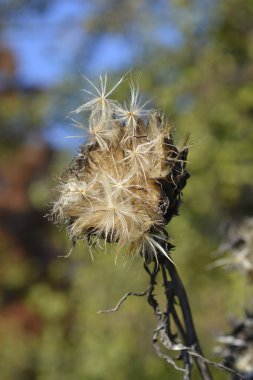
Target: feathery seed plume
[(125, 183)]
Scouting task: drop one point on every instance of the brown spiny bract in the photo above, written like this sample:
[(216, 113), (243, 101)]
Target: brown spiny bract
[(125, 183)]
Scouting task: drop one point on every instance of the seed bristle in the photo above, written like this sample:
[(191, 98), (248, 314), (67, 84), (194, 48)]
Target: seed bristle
[(113, 190)]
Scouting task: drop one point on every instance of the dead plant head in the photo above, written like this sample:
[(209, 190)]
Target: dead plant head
[(125, 183)]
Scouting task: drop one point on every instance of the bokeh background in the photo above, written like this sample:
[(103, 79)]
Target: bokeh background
[(195, 60)]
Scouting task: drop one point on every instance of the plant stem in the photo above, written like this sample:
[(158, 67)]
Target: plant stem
[(190, 335)]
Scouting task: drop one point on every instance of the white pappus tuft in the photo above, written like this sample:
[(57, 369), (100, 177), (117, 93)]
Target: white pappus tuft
[(125, 183)]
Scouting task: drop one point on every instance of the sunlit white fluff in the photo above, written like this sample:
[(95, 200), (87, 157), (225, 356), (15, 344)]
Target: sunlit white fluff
[(111, 190), (100, 104), (129, 114)]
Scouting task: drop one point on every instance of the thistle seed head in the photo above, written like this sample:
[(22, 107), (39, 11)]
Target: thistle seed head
[(237, 347), (237, 248), (125, 183)]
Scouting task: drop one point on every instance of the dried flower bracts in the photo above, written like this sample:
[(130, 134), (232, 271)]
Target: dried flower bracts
[(125, 183), (237, 248), (237, 347)]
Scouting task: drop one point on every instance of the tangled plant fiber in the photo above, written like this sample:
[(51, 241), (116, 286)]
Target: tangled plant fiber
[(124, 184)]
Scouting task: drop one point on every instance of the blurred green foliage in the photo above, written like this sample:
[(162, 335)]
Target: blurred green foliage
[(49, 326)]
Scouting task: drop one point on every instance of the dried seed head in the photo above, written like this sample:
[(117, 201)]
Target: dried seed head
[(237, 347), (125, 184), (237, 249)]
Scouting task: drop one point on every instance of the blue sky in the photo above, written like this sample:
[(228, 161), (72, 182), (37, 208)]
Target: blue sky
[(47, 43), (44, 43)]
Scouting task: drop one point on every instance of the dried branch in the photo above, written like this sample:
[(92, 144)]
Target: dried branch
[(123, 299), (161, 354), (215, 364), (163, 336)]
